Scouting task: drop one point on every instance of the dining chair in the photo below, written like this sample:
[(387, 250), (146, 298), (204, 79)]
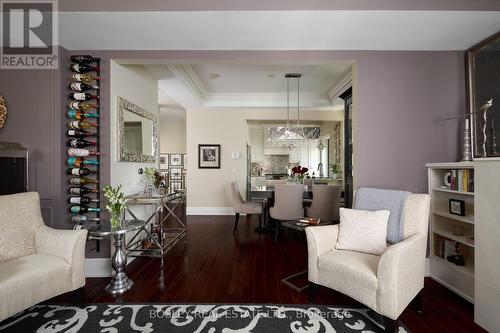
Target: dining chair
[(244, 207), (325, 203), (287, 204)]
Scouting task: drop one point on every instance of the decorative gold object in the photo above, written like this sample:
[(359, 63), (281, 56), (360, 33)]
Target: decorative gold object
[(3, 111)]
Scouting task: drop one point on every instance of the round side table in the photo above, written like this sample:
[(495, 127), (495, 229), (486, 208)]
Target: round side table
[(120, 282)]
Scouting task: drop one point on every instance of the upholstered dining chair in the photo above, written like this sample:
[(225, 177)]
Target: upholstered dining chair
[(244, 207), (325, 203), (287, 204), (385, 283)]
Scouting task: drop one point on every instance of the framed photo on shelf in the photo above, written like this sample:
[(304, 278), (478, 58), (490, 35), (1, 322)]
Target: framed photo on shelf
[(163, 161), (457, 207), (175, 174), (175, 160), (209, 156)]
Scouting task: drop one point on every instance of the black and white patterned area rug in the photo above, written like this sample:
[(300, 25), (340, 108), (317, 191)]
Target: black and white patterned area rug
[(145, 318)]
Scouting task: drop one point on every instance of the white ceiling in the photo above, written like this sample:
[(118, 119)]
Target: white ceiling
[(261, 78), (249, 85), (277, 30)]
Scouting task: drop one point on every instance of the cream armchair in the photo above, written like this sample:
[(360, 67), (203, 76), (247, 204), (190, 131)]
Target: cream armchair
[(36, 262), (385, 283)]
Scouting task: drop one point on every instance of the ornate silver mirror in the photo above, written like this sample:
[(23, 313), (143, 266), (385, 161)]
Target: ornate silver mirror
[(138, 133)]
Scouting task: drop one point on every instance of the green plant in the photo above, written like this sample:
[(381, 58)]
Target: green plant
[(154, 176), (335, 168), (116, 202)]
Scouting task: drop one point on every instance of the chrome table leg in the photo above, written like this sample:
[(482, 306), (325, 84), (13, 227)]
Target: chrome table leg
[(120, 282)]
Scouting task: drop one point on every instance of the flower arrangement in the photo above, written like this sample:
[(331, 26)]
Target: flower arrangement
[(154, 176), (116, 203), (298, 170)]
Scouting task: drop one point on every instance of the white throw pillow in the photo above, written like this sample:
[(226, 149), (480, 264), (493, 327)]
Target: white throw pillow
[(363, 230)]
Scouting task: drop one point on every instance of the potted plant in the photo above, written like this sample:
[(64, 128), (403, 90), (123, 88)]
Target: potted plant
[(335, 170), (154, 176), (116, 203)]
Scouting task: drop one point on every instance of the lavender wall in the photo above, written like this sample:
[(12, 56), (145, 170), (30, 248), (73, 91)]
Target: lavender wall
[(402, 98), (33, 120)]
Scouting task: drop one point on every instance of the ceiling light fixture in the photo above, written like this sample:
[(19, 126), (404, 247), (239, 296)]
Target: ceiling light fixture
[(290, 136)]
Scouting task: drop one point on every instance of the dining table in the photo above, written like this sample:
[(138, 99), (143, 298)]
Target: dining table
[(267, 192)]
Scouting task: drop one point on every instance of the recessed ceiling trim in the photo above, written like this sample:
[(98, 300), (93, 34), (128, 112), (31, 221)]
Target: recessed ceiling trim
[(189, 78), (340, 87), (307, 100)]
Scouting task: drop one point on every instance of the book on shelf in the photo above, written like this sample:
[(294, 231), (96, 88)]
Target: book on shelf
[(461, 180)]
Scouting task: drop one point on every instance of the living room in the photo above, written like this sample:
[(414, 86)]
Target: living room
[(335, 105)]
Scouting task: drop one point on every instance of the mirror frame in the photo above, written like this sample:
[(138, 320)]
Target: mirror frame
[(126, 105), (471, 93)]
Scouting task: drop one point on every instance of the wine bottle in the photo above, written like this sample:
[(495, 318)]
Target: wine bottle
[(82, 68), (82, 181), (75, 114), (79, 172), (83, 218), (80, 96), (81, 190), (81, 200), (78, 86), (84, 78), (79, 152), (81, 106), (83, 59), (80, 143), (76, 124), (80, 162), (80, 133), (82, 209)]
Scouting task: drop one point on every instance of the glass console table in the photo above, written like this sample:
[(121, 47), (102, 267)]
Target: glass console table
[(163, 229), (120, 282)]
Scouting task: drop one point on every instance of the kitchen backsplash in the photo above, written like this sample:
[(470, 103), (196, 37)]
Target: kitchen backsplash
[(271, 164)]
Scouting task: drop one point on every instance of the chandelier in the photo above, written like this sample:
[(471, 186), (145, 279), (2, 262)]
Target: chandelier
[(290, 136)]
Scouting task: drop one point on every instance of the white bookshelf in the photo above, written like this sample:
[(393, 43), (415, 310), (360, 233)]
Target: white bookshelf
[(443, 224)]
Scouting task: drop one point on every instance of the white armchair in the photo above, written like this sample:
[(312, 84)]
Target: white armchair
[(36, 262), (385, 283)]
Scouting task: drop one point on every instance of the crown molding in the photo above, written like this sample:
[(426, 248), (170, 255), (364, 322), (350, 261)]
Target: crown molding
[(190, 80), (340, 87), (272, 100)]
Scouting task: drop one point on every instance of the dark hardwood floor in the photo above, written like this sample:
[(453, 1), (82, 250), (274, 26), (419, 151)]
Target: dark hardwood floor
[(215, 266)]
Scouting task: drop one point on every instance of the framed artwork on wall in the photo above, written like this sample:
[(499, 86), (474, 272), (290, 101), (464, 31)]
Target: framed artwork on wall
[(163, 161), (209, 156), (175, 174), (176, 160)]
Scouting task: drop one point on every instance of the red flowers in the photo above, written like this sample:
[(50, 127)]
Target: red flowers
[(299, 169)]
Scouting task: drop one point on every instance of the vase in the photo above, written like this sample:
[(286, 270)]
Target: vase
[(116, 219)]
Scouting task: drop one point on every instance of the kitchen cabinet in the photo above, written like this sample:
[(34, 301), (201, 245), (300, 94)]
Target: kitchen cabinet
[(295, 155), (257, 144)]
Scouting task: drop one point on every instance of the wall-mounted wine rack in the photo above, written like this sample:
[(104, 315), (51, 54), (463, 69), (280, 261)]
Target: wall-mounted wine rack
[(83, 141)]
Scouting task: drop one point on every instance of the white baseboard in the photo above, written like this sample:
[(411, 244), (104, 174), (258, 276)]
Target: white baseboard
[(98, 267), (427, 267), (210, 211)]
